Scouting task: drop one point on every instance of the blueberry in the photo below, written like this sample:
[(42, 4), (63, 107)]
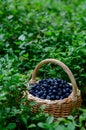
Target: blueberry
[(49, 81), (34, 94), (57, 97), (70, 91), (49, 90), (67, 89), (52, 84), (42, 97), (45, 92), (59, 89), (54, 91), (50, 94), (44, 85), (31, 91), (51, 87), (44, 80), (58, 80), (37, 95), (62, 82), (36, 91), (63, 86), (61, 97), (64, 91), (33, 87), (48, 97), (60, 85), (60, 93), (67, 94), (56, 84), (54, 87), (38, 88), (52, 97), (67, 86), (41, 91), (41, 81)]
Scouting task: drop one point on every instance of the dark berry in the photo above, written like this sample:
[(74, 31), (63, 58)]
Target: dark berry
[(60, 93), (60, 85), (44, 96), (63, 86), (49, 90), (61, 97), (54, 87), (41, 81), (48, 97), (70, 91), (63, 82), (67, 94), (57, 97), (51, 87), (58, 80), (56, 84), (64, 90), (67, 89), (50, 94), (34, 94), (31, 91), (54, 91), (45, 85), (49, 81), (52, 97)]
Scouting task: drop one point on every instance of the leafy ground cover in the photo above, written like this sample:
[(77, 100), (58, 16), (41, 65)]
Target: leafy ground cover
[(31, 31)]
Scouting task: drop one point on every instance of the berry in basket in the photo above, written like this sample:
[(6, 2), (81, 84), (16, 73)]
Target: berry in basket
[(51, 89)]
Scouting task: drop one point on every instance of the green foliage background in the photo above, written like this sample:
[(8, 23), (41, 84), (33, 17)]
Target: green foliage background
[(31, 31)]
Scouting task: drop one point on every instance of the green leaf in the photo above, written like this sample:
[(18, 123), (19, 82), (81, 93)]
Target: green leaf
[(71, 126), (26, 55), (21, 37), (83, 75), (31, 126), (83, 128), (42, 107), (24, 119), (61, 127), (43, 125), (50, 119), (32, 103), (60, 119), (3, 96), (71, 118), (11, 126)]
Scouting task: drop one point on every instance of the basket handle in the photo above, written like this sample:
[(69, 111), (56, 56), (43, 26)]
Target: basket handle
[(65, 68)]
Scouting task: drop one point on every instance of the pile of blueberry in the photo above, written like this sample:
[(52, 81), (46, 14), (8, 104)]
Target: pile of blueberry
[(51, 89)]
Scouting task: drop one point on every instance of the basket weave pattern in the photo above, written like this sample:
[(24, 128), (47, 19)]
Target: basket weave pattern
[(57, 108)]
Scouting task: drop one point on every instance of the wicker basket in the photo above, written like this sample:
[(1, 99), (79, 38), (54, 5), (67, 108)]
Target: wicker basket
[(57, 108)]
